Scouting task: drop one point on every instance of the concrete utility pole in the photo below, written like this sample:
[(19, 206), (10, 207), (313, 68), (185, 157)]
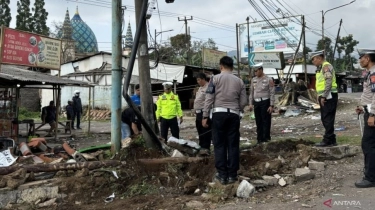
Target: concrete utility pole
[(147, 104), (116, 76), (337, 39), (186, 35)]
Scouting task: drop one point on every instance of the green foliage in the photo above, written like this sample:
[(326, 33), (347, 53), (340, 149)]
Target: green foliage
[(345, 46), (23, 113), (24, 19), (178, 50), (141, 189), (5, 16), (327, 46), (40, 18)]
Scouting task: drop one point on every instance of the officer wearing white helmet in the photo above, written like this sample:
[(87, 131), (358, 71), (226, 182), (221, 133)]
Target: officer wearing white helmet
[(367, 61), (262, 99), (77, 109)]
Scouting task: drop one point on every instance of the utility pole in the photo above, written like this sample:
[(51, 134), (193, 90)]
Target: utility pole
[(116, 77), (186, 35), (238, 49), (304, 48), (147, 104), (337, 39), (248, 45)]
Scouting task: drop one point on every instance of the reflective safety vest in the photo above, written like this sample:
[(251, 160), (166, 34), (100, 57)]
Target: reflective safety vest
[(168, 106), (321, 82)]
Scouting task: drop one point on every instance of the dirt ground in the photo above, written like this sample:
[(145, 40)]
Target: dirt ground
[(172, 186)]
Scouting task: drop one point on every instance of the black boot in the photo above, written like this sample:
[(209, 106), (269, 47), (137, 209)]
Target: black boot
[(364, 184)]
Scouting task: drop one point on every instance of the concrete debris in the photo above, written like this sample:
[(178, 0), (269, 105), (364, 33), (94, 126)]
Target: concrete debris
[(51, 202), (289, 180), (270, 180), (194, 205), (318, 166), (259, 183), (197, 191), (281, 159), (282, 182), (243, 178), (277, 176), (334, 153), (303, 174), (126, 142), (292, 112), (177, 153), (245, 189)]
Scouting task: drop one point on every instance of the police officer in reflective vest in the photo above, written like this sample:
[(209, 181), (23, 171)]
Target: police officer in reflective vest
[(367, 61), (261, 99), (226, 95), (326, 87), (168, 111)]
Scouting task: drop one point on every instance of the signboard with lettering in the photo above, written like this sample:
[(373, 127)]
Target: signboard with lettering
[(270, 36), (28, 49), (211, 58), (269, 59)]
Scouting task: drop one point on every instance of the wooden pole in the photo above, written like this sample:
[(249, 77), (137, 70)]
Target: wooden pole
[(36, 168), (303, 51), (88, 111)]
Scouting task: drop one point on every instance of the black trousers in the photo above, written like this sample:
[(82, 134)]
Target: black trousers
[(165, 124), (78, 116), (226, 139), (368, 148), (263, 120), (328, 114), (205, 134)]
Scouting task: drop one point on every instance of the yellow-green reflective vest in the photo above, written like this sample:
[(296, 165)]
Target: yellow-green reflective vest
[(321, 82)]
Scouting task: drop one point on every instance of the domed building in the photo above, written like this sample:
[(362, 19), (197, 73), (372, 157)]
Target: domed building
[(78, 40)]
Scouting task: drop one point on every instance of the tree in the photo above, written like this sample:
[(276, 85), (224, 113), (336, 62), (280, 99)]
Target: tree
[(345, 46), (306, 50), (5, 16), (326, 45), (24, 19), (40, 18)]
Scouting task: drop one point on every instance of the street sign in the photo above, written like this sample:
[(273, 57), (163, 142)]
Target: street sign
[(273, 60)]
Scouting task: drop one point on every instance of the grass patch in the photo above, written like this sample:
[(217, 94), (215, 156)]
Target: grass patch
[(141, 189), (23, 114)]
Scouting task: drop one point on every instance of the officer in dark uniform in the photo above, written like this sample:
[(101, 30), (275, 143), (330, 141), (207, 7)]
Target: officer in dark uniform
[(226, 95), (262, 99), (367, 61)]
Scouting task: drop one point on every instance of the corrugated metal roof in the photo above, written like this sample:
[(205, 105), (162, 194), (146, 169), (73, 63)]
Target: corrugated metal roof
[(28, 77)]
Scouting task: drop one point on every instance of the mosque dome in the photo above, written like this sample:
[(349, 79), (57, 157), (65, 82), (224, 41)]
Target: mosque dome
[(84, 37)]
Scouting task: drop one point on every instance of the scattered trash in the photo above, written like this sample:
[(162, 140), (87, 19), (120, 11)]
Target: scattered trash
[(287, 131), (115, 174), (292, 112), (6, 158), (316, 129), (338, 195), (110, 198), (342, 128), (307, 206), (244, 139), (315, 117), (310, 111)]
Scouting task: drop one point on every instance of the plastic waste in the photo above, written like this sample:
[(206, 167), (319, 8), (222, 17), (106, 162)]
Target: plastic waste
[(292, 112), (342, 128)]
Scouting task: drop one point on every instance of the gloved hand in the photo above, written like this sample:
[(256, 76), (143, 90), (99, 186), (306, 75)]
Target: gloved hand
[(241, 115)]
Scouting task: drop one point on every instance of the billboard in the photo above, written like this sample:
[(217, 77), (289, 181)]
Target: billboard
[(273, 60), (282, 37), (211, 58), (28, 49)]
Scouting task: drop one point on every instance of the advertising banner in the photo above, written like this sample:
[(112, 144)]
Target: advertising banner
[(211, 58), (23, 48), (282, 36)]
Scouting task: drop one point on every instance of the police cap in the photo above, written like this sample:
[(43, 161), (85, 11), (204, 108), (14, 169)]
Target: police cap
[(167, 85), (313, 54), (258, 66), (363, 52)]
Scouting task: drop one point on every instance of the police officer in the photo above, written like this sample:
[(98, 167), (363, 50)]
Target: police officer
[(262, 99), (326, 87), (77, 108), (204, 133), (167, 112), (367, 61), (226, 94)]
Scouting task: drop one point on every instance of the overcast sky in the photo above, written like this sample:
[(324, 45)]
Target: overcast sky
[(217, 18)]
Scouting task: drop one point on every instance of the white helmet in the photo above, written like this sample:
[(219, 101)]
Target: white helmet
[(76, 91)]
